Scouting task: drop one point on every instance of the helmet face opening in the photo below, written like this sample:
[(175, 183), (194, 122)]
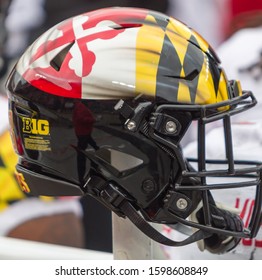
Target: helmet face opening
[(96, 109)]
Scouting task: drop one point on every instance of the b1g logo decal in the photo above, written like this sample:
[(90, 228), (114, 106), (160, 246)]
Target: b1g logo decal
[(36, 134), (35, 126)]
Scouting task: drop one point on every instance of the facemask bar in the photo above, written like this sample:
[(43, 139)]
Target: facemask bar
[(210, 113), (252, 171)]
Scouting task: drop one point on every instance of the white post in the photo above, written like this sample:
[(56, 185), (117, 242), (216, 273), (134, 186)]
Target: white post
[(129, 243)]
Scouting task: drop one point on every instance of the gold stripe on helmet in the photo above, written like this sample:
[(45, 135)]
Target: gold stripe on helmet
[(179, 28), (183, 94)]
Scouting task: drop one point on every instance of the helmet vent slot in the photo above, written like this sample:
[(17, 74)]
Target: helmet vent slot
[(20, 111), (127, 25), (58, 60), (189, 77)]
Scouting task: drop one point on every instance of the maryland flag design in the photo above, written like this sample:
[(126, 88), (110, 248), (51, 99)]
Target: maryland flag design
[(115, 53)]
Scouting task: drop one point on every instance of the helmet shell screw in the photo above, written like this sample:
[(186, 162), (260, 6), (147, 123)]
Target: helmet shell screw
[(148, 186), (181, 204), (131, 125), (171, 127)]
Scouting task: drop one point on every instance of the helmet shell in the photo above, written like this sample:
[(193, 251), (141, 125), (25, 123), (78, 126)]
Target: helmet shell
[(64, 89), (124, 52)]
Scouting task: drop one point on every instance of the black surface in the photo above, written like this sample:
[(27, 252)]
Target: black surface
[(98, 225)]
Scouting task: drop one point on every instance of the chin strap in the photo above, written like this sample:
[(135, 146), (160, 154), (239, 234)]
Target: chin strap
[(114, 198), (152, 233)]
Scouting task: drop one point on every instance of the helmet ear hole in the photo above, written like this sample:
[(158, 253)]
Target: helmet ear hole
[(119, 160)]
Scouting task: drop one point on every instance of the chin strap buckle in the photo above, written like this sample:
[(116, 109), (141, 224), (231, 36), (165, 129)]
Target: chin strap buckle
[(113, 196), (108, 193)]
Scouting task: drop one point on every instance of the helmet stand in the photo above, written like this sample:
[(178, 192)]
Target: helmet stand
[(129, 243)]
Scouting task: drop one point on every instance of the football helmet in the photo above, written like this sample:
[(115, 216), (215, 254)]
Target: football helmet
[(99, 105)]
